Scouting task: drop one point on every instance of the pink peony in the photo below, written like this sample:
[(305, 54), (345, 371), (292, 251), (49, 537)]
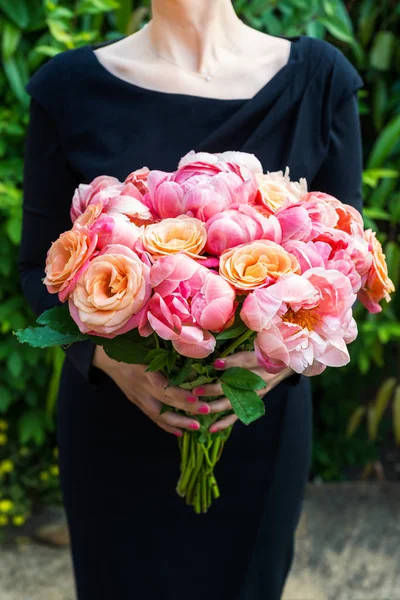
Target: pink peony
[(117, 199), (295, 222), (239, 226), (189, 301), (138, 178), (349, 219), (277, 191), (303, 322), (377, 284), (201, 188)]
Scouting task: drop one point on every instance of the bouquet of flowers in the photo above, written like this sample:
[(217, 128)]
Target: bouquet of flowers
[(177, 270)]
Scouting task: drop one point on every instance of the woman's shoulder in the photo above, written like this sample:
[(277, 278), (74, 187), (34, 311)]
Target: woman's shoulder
[(330, 66), (50, 83)]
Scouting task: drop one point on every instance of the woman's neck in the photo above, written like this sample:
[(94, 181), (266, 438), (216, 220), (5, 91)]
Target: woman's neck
[(192, 33)]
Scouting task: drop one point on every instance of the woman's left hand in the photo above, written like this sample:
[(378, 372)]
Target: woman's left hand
[(246, 360)]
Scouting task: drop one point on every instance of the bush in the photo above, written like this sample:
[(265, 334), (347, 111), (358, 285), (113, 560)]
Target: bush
[(30, 33)]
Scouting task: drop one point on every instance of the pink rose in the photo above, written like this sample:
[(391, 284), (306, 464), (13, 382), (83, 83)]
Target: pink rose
[(110, 296), (322, 214), (239, 226), (306, 321), (67, 258)]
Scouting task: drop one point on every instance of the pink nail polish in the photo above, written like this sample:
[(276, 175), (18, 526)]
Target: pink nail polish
[(199, 391), (177, 433), (219, 363), (203, 410), (194, 426), (191, 399), (213, 429)]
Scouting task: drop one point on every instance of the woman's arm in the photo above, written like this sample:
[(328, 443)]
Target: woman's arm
[(49, 184)]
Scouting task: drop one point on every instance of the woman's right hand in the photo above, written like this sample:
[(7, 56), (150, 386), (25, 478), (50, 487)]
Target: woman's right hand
[(148, 390)]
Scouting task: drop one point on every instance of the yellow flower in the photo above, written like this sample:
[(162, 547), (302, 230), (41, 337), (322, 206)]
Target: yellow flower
[(3, 439), (44, 476), (3, 425), (18, 520), (54, 470), (6, 466), (6, 506), (55, 452), (3, 520)]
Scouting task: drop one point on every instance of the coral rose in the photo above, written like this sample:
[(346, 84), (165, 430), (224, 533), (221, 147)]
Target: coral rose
[(255, 265), (66, 258), (278, 191), (378, 285), (110, 296), (170, 236)]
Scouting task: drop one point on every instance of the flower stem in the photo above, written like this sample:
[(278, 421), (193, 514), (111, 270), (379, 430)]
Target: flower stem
[(245, 336)]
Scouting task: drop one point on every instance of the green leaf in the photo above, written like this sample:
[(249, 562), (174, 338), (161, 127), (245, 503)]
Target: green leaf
[(158, 361), (337, 28), (183, 374), (17, 11), (16, 80), (392, 253), (15, 364), (60, 32), (13, 228), (10, 39), (247, 406), (376, 213), (382, 50), (47, 50), (44, 337), (244, 379), (31, 427), (165, 408), (232, 332), (385, 144), (122, 349), (6, 399), (59, 319)]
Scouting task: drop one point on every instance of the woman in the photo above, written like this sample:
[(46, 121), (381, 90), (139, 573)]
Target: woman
[(195, 78)]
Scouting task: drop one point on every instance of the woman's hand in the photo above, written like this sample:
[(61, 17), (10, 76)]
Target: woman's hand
[(149, 391), (246, 360)]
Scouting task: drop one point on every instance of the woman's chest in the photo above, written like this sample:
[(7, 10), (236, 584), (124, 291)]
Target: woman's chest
[(115, 140)]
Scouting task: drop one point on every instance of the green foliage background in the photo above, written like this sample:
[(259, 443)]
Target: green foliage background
[(368, 33)]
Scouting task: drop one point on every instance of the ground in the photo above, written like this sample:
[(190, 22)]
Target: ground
[(347, 548)]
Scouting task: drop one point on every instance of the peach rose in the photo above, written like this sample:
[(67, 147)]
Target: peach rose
[(378, 284), (277, 189), (110, 297), (180, 234), (66, 259), (255, 265)]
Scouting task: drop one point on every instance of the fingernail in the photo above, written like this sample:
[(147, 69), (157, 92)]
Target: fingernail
[(199, 391), (204, 409), (219, 363), (191, 399), (177, 433), (213, 429), (194, 425)]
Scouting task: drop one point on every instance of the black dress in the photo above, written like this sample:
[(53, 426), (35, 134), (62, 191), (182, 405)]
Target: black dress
[(132, 537)]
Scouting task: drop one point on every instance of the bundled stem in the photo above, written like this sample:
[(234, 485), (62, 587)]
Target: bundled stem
[(197, 483)]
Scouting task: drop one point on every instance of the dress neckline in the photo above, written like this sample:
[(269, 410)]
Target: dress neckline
[(293, 54)]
